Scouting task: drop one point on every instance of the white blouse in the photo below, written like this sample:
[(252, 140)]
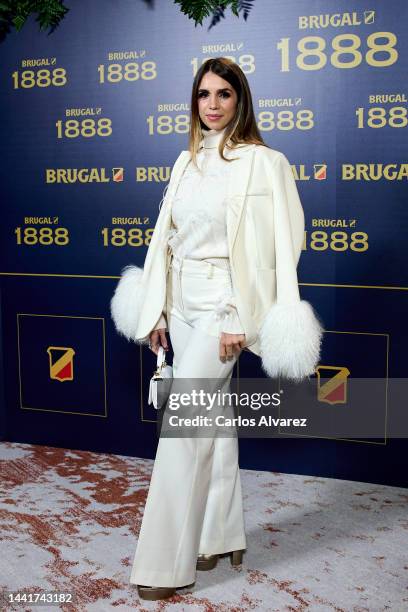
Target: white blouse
[(199, 228), (199, 206)]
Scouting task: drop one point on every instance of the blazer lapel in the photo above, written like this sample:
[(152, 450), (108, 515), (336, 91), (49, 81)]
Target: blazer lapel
[(237, 187), (177, 174), (178, 170)]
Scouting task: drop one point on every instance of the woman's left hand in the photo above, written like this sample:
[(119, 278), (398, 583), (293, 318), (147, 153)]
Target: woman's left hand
[(230, 344)]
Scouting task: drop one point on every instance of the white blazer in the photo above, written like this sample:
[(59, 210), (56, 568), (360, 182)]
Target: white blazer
[(265, 229)]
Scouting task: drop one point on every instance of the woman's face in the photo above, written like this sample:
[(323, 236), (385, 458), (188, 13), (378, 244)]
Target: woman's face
[(217, 101)]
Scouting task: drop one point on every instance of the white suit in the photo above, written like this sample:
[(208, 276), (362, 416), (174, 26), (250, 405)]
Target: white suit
[(194, 503), (265, 228)]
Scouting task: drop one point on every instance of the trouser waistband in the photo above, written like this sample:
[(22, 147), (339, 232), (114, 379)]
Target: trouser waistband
[(192, 265)]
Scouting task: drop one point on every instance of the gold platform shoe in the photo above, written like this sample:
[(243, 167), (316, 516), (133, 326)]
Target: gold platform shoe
[(208, 562)]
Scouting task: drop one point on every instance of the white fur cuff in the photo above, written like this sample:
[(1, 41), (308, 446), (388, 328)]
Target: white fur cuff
[(126, 302), (290, 338)]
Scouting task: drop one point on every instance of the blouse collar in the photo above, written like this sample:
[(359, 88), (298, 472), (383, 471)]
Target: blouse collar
[(211, 138)]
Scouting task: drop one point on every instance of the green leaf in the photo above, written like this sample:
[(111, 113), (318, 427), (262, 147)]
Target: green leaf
[(19, 21)]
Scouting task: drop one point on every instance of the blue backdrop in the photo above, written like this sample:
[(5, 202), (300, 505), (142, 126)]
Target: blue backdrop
[(94, 116)]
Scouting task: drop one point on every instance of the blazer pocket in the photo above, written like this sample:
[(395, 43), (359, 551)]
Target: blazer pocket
[(265, 290)]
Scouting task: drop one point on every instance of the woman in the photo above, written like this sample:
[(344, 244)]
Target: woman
[(220, 276)]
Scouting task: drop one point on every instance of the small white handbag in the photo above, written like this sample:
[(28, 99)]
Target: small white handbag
[(163, 370)]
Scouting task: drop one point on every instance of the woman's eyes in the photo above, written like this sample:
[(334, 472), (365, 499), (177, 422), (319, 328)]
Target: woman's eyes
[(223, 94)]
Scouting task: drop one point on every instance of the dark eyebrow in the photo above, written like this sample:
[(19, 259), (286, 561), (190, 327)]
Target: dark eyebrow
[(218, 90)]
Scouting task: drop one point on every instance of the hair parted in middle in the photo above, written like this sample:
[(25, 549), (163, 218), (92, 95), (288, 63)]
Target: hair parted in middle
[(242, 129)]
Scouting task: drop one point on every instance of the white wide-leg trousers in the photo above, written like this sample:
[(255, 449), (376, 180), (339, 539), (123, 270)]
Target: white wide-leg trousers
[(194, 503)]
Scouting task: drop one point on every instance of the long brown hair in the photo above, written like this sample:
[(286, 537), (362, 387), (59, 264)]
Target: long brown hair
[(242, 129)]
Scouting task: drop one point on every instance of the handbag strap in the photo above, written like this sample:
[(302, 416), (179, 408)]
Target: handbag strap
[(161, 357)]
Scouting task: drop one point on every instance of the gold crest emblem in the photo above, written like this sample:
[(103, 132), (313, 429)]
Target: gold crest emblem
[(334, 390), (61, 362)]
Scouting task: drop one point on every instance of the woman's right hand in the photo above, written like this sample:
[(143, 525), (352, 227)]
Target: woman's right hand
[(158, 338)]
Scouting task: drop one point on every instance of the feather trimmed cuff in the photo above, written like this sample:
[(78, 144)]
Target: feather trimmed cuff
[(290, 340), (125, 305)]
